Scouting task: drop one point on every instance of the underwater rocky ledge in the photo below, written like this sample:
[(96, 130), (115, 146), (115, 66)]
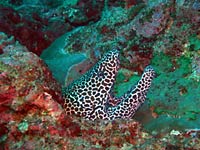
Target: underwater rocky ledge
[(164, 35)]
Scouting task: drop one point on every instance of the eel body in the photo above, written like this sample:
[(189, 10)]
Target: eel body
[(90, 96)]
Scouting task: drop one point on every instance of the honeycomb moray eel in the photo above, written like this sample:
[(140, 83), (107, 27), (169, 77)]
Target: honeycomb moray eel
[(90, 96)]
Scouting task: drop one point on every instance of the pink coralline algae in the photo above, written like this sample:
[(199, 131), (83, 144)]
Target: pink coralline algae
[(157, 23), (28, 94), (165, 34), (31, 116), (32, 31)]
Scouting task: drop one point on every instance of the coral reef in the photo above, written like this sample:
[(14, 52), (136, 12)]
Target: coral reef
[(162, 33), (172, 47)]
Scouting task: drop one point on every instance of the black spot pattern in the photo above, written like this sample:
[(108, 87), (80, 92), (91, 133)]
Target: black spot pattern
[(90, 96)]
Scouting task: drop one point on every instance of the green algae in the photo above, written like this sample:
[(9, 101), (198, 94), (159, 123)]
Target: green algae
[(172, 94), (194, 42), (172, 86), (17, 145), (23, 126), (71, 2), (134, 10), (124, 81), (6, 68), (3, 138)]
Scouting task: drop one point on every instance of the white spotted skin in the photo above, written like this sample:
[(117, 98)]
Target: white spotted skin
[(134, 98), (90, 95)]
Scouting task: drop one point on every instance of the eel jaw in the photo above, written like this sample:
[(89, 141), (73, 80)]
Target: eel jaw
[(134, 98)]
